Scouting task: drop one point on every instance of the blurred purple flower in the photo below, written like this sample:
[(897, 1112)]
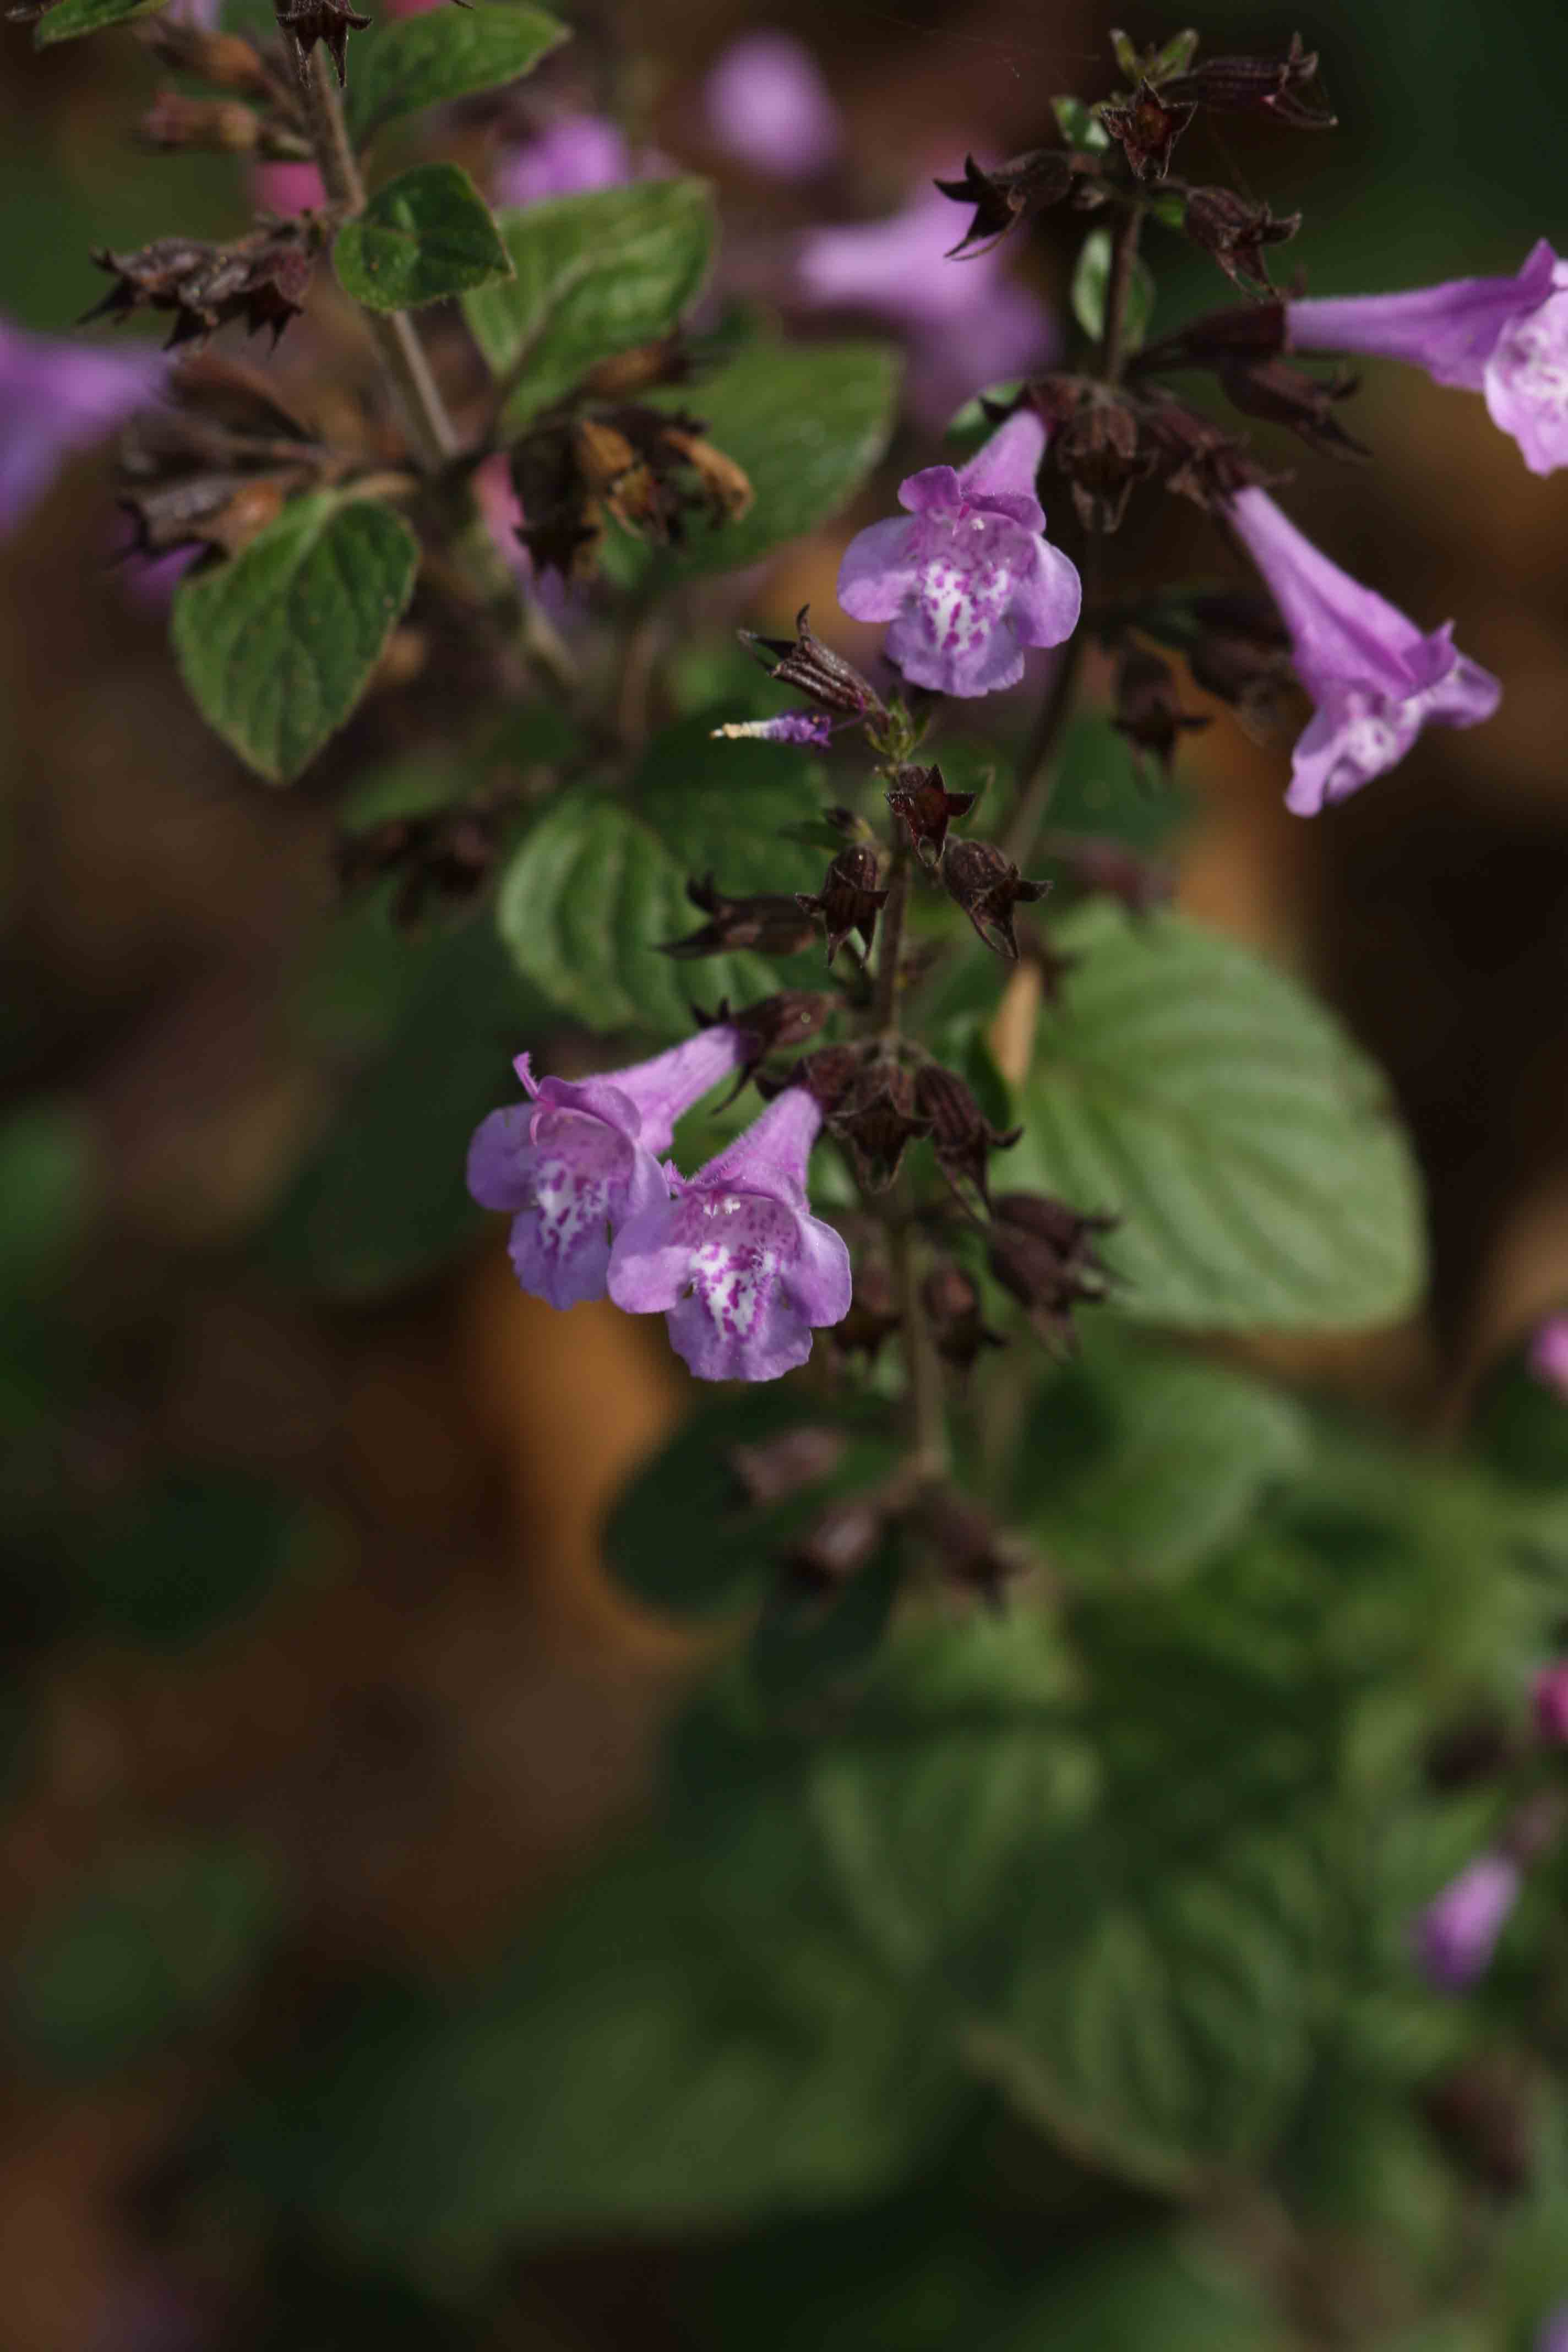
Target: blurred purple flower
[(734, 1260), (287, 189), (1548, 1354), (1551, 1701), (576, 152), (1505, 337), (1375, 678), (768, 105), (1455, 1937), (967, 323), (60, 396), (581, 1157), (970, 579), (813, 726), (1554, 2335)]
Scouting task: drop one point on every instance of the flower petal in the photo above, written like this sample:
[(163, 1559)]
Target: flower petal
[(1009, 461), (820, 1283), (878, 573), (500, 1159), (1047, 598)]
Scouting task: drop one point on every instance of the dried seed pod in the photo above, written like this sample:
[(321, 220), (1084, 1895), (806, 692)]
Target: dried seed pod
[(925, 807), (986, 884), (851, 898)]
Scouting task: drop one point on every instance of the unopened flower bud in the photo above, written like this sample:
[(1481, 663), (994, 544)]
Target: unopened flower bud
[(923, 806), (988, 885), (849, 899), (223, 60), (214, 125)]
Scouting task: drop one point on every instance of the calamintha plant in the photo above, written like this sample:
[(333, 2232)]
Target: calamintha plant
[(1077, 1832)]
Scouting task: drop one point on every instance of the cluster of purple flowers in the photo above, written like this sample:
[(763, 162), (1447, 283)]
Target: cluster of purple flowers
[(731, 1256)]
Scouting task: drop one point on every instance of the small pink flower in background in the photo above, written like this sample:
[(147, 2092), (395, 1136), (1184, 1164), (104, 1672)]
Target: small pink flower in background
[(1455, 1935), (810, 727), (1548, 1354), (967, 323), (58, 397), (768, 105), (1377, 679), (1551, 1698), (970, 579), (576, 152), (1505, 337), (578, 1159), (286, 188), (733, 1259)]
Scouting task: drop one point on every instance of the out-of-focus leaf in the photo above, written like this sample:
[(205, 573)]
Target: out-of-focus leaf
[(48, 1178), (186, 1558), (682, 1535), (155, 1941), (1247, 1148), (806, 425), (1091, 283), (1521, 1425), (1139, 1460), (382, 1198), (429, 60), (592, 275), (599, 883), (422, 238), (69, 19), (277, 643)]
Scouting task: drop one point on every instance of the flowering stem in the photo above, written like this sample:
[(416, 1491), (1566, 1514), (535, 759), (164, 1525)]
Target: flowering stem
[(1119, 288), (435, 436), (394, 330), (890, 941), (1038, 768)]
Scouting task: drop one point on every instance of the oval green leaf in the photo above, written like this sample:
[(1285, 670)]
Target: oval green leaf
[(429, 60), (278, 645), (422, 237), (1246, 1146)]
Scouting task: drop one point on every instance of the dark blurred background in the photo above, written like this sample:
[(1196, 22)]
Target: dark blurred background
[(303, 1629)]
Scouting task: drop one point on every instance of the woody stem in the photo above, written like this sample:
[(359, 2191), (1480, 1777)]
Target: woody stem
[(485, 573)]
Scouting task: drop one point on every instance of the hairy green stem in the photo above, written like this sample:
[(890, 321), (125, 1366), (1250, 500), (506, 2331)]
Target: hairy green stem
[(474, 551)]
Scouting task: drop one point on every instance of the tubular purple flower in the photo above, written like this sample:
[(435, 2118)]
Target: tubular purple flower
[(733, 1259), (1455, 1935), (60, 396), (965, 323), (1548, 1354), (576, 152), (767, 104), (970, 579), (1505, 337), (580, 1158), (1375, 678), (812, 727)]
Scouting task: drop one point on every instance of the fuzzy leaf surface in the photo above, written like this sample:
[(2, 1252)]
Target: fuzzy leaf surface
[(277, 644), (450, 53), (422, 237)]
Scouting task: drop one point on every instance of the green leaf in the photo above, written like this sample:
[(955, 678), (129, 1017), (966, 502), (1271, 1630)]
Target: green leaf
[(48, 1186), (806, 425), (600, 883), (1248, 1148), (1079, 125), (382, 1199), (1175, 56), (650, 2065), (424, 237), (278, 645), (682, 1535), (1090, 280), (154, 1941), (69, 19), (1142, 1460), (430, 60), (1521, 1425), (194, 1555), (592, 275)]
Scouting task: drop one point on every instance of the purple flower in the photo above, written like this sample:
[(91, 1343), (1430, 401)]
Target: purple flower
[(1506, 337), (580, 1158), (1548, 1354), (967, 323), (813, 726), (1550, 1699), (768, 106), (970, 579), (573, 153), (1375, 679), (1456, 1934), (734, 1260), (58, 397), (1554, 2335)]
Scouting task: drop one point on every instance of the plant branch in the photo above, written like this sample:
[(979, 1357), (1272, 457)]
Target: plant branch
[(1118, 290), (435, 439), (889, 947)]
